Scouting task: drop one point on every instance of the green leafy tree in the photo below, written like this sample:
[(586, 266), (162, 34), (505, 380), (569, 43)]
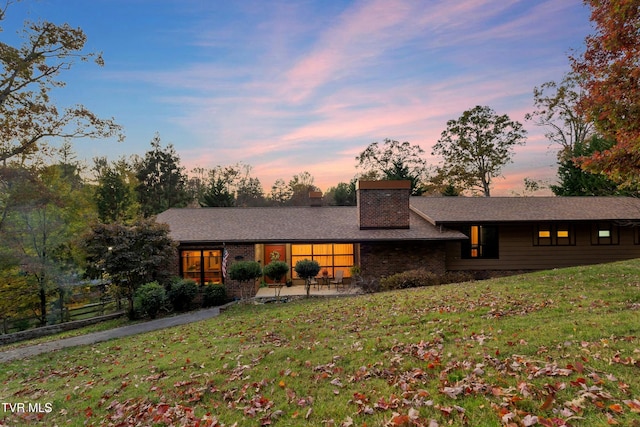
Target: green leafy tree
[(221, 189), (16, 293), (232, 186), (280, 193), (28, 73), (197, 183), (395, 161), (130, 255), (575, 181), (250, 192), (300, 186), (307, 269), (343, 194), (476, 146), (115, 195), (245, 272), (42, 220), (217, 195), (162, 183)]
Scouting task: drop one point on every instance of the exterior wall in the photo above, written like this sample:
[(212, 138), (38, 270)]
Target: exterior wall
[(383, 204), (386, 258), (234, 289), (517, 251)]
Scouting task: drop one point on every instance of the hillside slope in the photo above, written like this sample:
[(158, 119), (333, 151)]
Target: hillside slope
[(550, 348)]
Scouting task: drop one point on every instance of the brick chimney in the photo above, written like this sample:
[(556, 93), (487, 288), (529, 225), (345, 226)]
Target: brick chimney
[(383, 204), (315, 198)]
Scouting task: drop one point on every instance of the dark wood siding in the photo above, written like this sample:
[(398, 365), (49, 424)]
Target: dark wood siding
[(518, 252)]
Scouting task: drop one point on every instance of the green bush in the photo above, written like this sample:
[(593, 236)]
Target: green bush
[(244, 271), (456, 277), (149, 299), (306, 269), (214, 295), (182, 293), (409, 279), (422, 277), (275, 270)]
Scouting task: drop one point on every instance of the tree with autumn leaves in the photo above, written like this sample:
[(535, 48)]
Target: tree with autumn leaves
[(609, 72), (28, 73)]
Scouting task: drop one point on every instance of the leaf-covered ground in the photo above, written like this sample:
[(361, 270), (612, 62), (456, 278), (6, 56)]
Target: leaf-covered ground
[(546, 349)]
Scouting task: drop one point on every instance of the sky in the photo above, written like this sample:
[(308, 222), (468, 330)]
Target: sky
[(294, 86)]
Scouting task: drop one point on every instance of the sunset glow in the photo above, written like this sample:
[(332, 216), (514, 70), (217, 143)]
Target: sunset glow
[(287, 86)]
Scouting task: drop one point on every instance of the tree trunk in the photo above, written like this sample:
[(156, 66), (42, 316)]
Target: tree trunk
[(43, 303)]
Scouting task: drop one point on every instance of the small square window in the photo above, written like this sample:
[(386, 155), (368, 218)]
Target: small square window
[(604, 233), (563, 234), (544, 234)]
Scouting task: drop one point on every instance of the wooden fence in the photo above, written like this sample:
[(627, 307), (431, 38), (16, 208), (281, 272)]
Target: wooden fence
[(87, 311)]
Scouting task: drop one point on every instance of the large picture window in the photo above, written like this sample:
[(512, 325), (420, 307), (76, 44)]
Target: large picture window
[(203, 266), (482, 243), (331, 256)]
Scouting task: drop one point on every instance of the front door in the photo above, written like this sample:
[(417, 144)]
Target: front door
[(274, 253)]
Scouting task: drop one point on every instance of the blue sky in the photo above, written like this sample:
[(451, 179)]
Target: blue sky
[(292, 86)]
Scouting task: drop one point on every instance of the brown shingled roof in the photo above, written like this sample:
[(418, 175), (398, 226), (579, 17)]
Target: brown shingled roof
[(288, 224), (451, 210)]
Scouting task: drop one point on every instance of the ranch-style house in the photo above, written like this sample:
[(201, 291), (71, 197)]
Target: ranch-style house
[(390, 232)]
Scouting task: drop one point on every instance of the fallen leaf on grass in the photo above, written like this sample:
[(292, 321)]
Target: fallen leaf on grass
[(634, 405)]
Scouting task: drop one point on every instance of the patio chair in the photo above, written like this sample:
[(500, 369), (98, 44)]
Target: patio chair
[(338, 279), (313, 282)]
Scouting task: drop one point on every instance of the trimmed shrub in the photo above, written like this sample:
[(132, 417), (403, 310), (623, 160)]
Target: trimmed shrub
[(275, 270), (456, 277), (245, 272), (149, 299), (214, 295), (307, 269), (182, 293), (409, 279), (422, 277)]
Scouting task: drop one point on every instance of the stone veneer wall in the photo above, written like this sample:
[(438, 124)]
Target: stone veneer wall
[(383, 204), (233, 288), (384, 259)]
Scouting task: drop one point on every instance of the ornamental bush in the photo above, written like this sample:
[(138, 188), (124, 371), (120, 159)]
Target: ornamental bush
[(421, 277), (245, 272), (409, 279), (182, 293), (275, 270), (149, 299), (307, 269), (214, 295)]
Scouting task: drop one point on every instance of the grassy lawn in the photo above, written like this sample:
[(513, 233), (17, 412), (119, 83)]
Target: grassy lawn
[(552, 348)]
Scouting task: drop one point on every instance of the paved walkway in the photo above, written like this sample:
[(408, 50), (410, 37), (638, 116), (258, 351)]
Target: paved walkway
[(123, 331), (152, 325)]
